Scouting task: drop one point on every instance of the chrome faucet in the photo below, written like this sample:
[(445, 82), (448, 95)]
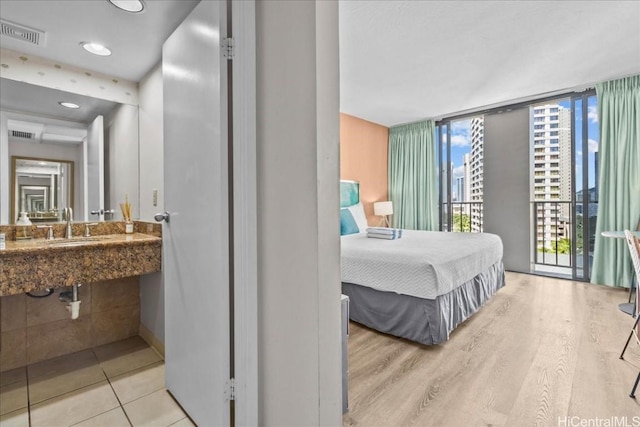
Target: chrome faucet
[(49, 231), (68, 216)]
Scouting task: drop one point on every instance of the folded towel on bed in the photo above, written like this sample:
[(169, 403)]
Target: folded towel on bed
[(384, 233), (382, 236), (382, 230)]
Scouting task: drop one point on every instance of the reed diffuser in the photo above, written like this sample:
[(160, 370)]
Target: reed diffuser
[(126, 215)]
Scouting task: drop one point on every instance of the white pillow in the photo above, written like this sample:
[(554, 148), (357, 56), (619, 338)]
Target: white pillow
[(357, 211)]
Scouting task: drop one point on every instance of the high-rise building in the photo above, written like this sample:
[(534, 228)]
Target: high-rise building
[(552, 172), (476, 173), (458, 196), (467, 177)]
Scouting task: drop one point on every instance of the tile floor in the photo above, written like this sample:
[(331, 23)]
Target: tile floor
[(118, 384)]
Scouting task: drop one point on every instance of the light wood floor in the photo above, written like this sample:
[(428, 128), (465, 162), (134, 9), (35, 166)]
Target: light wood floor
[(539, 351)]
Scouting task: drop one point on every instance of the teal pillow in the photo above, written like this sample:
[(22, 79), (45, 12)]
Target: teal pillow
[(347, 223)]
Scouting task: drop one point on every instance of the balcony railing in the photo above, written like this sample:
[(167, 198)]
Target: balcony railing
[(553, 228), (466, 217)]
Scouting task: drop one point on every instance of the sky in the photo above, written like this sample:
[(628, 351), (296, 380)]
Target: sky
[(461, 141)]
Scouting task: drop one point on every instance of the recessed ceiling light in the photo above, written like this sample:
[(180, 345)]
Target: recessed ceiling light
[(69, 105), (95, 48), (133, 6)]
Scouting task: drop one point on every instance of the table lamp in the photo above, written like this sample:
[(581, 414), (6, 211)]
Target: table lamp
[(383, 209)]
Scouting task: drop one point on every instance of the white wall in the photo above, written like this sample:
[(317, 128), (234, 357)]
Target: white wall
[(151, 177), (71, 152), (5, 167), (151, 143), (298, 239), (121, 148)]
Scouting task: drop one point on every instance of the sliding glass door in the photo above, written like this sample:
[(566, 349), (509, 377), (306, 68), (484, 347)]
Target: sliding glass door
[(461, 152), (585, 155), (552, 186), (529, 173), (564, 196)]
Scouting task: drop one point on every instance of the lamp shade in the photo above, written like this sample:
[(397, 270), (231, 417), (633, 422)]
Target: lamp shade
[(383, 208)]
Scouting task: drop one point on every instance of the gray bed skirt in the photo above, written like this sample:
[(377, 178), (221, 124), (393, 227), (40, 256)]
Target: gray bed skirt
[(422, 320)]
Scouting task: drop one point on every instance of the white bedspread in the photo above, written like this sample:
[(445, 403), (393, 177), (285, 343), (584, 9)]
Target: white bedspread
[(424, 264)]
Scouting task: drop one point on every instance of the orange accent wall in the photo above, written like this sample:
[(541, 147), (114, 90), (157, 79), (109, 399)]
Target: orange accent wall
[(363, 158)]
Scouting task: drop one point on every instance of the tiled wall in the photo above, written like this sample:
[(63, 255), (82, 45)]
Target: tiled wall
[(35, 329)]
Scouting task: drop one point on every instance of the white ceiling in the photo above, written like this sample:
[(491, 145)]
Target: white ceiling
[(134, 38), (402, 61), (43, 101)]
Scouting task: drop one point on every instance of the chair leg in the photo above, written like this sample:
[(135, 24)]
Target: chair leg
[(635, 386), (635, 324)]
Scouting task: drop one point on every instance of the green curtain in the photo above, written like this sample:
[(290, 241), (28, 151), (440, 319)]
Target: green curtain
[(619, 178), (413, 187)]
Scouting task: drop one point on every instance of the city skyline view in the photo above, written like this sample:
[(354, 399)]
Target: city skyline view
[(461, 145)]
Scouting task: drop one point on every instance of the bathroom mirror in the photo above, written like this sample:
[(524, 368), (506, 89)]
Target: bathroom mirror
[(35, 126), (40, 187)]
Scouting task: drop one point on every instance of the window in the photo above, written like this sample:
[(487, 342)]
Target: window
[(460, 149), (554, 149), (553, 125), (538, 134), (538, 127), (554, 133)]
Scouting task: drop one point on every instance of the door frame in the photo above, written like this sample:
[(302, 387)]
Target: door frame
[(583, 144), (245, 269)]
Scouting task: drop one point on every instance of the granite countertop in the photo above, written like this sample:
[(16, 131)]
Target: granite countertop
[(77, 243), (38, 263)]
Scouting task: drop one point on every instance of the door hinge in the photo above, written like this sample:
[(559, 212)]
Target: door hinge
[(230, 389), (228, 48)]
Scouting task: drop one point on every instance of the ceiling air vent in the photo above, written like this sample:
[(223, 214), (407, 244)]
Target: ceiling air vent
[(22, 134), (22, 33)]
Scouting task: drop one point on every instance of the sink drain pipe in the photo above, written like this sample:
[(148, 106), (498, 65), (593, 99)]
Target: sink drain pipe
[(72, 297)]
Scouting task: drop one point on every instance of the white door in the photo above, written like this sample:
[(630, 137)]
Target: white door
[(196, 237), (94, 173)]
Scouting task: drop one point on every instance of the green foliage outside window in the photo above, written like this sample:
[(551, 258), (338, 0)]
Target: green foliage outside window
[(461, 222)]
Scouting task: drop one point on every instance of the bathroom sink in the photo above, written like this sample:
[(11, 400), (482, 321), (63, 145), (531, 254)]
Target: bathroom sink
[(78, 241), (67, 243), (36, 264)]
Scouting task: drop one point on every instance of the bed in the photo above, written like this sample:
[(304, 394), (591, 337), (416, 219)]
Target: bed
[(421, 286)]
